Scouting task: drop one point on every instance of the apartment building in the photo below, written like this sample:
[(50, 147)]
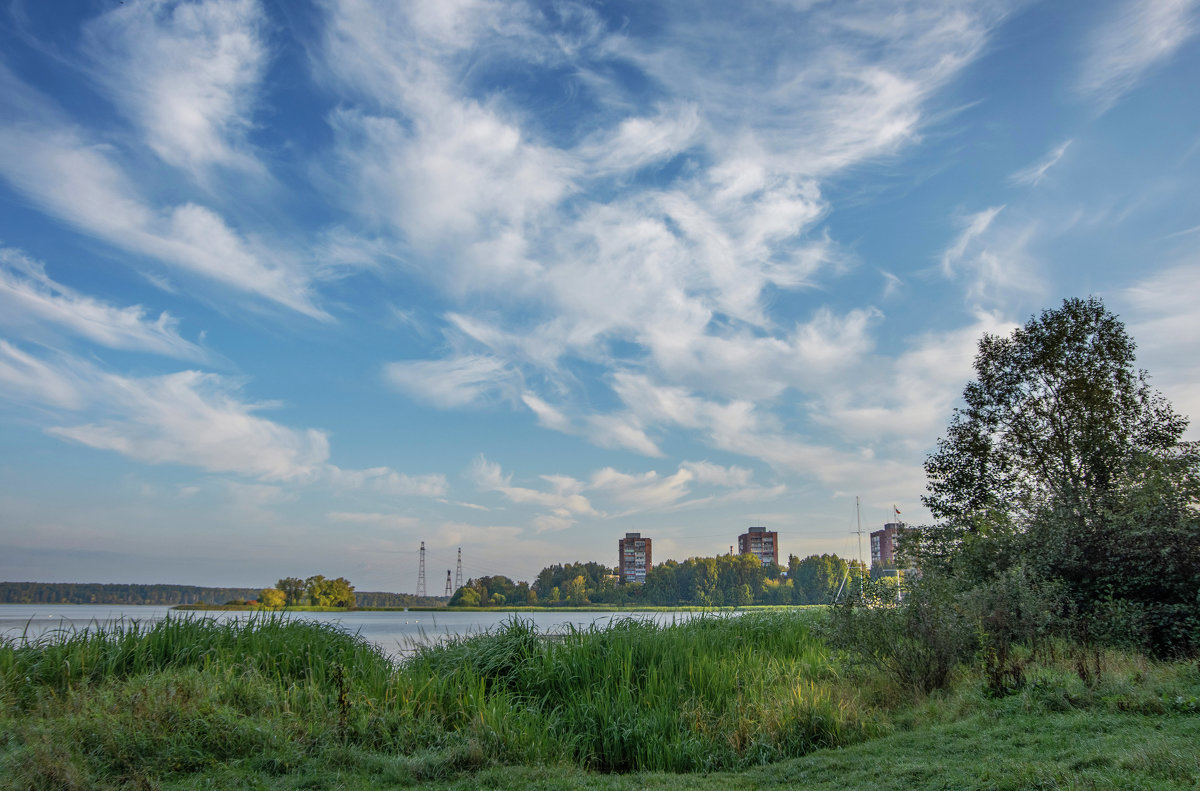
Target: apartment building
[(883, 544), (634, 558), (762, 543)]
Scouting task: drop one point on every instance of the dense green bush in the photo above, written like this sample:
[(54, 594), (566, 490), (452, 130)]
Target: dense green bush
[(918, 641), (1065, 464)]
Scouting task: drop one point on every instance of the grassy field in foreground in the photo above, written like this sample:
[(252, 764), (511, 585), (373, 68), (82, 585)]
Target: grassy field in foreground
[(748, 702)]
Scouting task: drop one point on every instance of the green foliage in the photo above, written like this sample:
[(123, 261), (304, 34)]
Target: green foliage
[(701, 695), (495, 591), (1065, 464), (272, 598), (722, 581), (747, 702), (817, 578), (171, 595), (1057, 414), (918, 641), (560, 576), (186, 694), (321, 592), (293, 590), (95, 593)]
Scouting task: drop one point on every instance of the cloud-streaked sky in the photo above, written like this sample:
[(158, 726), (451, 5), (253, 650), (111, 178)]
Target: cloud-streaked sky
[(287, 288)]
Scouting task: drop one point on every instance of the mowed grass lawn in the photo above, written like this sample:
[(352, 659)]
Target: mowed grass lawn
[(754, 701)]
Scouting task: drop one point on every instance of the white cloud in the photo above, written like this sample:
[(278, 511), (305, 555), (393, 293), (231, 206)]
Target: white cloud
[(909, 398), (193, 418), (27, 379), (1131, 40), (388, 481), (185, 73), (547, 416), (29, 297), (705, 472), (187, 418), (1033, 175), (451, 383), (389, 521), (649, 238), (621, 431), (566, 501), (639, 141), (993, 260), (564, 498), (974, 226), (1161, 315), (648, 490), (81, 184)]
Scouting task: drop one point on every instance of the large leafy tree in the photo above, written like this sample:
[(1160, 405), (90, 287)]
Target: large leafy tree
[(293, 589), (1057, 414), (1064, 462)]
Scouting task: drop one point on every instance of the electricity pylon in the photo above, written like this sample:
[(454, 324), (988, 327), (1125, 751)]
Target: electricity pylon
[(421, 573)]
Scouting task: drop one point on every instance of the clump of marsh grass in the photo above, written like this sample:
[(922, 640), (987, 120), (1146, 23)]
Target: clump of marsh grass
[(134, 704), (709, 693)]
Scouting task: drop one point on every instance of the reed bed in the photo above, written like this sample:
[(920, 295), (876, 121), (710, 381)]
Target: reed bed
[(130, 702)]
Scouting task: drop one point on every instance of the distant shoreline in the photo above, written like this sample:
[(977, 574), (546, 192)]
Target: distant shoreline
[(524, 608)]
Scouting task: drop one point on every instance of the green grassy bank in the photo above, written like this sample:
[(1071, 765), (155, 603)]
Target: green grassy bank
[(755, 701), (523, 609)]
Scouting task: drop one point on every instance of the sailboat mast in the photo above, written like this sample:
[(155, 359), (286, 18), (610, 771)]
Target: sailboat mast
[(858, 517)]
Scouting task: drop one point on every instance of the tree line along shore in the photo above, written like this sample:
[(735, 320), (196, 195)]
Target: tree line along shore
[(702, 583)]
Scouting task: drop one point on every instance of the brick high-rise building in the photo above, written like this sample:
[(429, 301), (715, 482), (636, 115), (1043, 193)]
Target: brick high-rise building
[(883, 544), (760, 542), (633, 557)]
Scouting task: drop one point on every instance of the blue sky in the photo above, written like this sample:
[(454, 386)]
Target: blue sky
[(287, 288)]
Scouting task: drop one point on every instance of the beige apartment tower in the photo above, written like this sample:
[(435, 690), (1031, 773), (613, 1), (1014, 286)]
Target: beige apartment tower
[(634, 560), (762, 543)]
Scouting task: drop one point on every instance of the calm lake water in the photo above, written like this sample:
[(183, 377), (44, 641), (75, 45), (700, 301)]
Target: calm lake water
[(394, 632)]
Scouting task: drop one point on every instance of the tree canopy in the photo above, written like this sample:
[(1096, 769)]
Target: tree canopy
[(1058, 412), (1065, 467)]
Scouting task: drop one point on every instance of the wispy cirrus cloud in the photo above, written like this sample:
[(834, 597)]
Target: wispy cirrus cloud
[(563, 497), (645, 233), (1129, 41), (185, 74), (388, 481), (451, 383), (1033, 175), (568, 500), (973, 227), (993, 260), (30, 299), (109, 192), (194, 419), (189, 418), (80, 183), (1161, 316)]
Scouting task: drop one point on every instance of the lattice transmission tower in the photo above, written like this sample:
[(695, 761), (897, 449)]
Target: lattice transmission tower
[(458, 573), (447, 582), (421, 573)]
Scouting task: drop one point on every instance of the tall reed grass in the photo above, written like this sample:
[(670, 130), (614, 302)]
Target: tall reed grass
[(710, 693)]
